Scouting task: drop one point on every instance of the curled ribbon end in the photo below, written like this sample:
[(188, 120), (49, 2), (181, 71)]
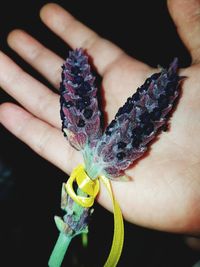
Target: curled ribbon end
[(118, 236)]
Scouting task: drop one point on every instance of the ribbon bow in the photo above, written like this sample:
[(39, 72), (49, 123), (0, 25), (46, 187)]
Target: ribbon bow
[(91, 188)]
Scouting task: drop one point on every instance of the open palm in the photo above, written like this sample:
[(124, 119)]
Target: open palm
[(164, 192)]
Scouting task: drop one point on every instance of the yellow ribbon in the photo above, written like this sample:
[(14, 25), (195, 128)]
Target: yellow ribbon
[(88, 186), (91, 188)]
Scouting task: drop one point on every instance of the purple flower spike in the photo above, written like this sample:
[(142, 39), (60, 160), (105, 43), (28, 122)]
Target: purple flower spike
[(137, 122), (79, 107)]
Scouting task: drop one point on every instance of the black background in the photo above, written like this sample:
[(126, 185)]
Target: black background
[(30, 194)]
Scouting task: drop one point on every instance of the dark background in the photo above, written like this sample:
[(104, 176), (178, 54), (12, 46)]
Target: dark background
[(30, 186)]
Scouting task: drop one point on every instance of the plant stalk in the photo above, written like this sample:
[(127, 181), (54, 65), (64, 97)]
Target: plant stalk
[(59, 250)]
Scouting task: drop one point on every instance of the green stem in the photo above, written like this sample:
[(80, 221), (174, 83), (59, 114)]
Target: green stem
[(59, 250), (74, 213)]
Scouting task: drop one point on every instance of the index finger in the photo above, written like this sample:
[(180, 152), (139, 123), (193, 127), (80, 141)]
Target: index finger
[(77, 35)]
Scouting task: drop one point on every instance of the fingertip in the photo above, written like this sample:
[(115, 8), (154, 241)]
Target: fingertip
[(21, 42), (186, 16), (46, 10), (4, 111), (13, 36), (7, 108), (12, 116)]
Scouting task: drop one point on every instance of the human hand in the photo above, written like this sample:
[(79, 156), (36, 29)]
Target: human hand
[(164, 192)]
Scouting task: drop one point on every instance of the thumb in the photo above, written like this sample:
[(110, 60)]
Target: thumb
[(186, 16)]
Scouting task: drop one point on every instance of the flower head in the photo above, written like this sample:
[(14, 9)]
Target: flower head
[(79, 107), (137, 122)]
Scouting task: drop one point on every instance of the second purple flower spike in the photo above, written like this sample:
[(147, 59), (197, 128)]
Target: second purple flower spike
[(138, 121)]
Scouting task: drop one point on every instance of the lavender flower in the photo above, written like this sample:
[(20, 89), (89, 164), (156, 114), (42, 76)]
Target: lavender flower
[(124, 140), (79, 107), (136, 123)]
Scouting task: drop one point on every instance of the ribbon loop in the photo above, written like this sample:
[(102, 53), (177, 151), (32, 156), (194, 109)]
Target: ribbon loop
[(88, 186)]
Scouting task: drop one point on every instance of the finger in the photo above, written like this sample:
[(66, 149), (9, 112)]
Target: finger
[(186, 15), (78, 35), (30, 93), (37, 55), (44, 139)]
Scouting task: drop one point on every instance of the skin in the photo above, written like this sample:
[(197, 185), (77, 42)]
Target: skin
[(164, 191)]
